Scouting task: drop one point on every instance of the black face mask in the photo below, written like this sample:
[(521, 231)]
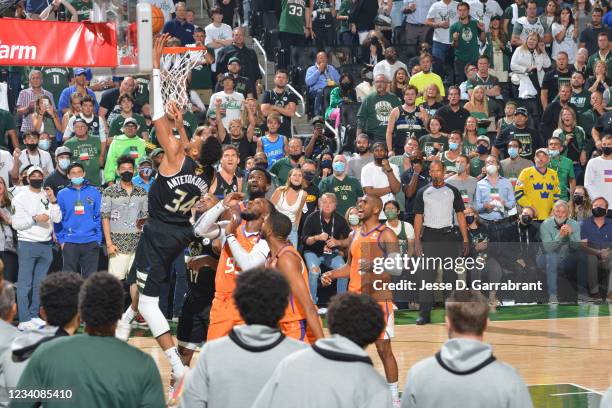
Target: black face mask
[(526, 219), (578, 199), (36, 183), (606, 150), (469, 219), (598, 212), (32, 146), (296, 187), (308, 176), (126, 176), (296, 157)]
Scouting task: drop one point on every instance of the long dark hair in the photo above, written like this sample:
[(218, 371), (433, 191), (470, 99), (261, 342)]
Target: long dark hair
[(571, 14)]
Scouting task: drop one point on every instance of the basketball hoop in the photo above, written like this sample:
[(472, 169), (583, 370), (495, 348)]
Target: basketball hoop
[(175, 65)]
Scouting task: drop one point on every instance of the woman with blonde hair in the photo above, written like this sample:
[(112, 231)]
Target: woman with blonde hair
[(432, 100), (73, 110), (527, 66), (290, 199), (573, 139), (45, 118), (352, 216), (470, 137), (599, 81), (478, 106)]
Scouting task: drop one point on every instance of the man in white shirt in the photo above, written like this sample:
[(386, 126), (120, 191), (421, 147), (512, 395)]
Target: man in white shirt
[(380, 177), (231, 102), (218, 35), (441, 15), (35, 213), (598, 174), (389, 65), (484, 10)]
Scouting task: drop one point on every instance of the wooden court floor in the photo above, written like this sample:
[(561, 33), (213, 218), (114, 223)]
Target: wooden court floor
[(552, 351)]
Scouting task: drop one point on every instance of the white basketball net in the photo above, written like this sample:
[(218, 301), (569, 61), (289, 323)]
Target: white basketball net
[(174, 69)]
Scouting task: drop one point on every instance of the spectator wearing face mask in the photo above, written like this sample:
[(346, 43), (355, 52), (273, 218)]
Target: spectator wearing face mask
[(463, 182), (35, 154), (347, 189), (580, 205), (564, 168), (146, 174), (58, 179), (514, 163), (477, 163)]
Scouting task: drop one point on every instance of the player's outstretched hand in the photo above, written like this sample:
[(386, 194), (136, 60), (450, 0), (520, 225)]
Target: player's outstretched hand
[(158, 48), (175, 111), (232, 199)]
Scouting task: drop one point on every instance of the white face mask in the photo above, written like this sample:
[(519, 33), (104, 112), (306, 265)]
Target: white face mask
[(491, 170)]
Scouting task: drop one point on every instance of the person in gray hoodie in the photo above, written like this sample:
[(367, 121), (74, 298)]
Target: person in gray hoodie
[(335, 372), (59, 301), (466, 372), (232, 370)]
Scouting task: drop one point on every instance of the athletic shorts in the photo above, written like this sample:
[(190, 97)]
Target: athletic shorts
[(193, 321), (223, 316), (159, 245), (389, 332), (120, 264), (298, 330)]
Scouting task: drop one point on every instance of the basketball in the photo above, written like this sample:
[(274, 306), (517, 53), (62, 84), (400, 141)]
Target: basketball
[(157, 19)]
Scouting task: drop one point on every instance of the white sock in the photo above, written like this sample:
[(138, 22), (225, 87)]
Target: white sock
[(178, 369), (394, 392), (129, 315)]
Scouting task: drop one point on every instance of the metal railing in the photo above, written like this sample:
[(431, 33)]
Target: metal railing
[(264, 69), (336, 135), (301, 98)]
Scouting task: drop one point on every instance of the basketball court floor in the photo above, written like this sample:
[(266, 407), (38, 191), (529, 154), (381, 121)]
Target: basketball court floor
[(563, 352)]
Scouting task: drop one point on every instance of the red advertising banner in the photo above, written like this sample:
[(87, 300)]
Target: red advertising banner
[(54, 43)]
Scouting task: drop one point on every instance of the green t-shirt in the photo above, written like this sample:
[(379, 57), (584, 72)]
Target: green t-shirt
[(565, 172), (99, 371), (427, 144), (374, 112), (141, 93), (347, 191), (593, 59), (87, 152), (55, 80), (7, 122), (582, 101), (345, 8), (201, 77), (117, 124), (83, 8), (467, 50), (508, 13), (281, 170), (293, 16)]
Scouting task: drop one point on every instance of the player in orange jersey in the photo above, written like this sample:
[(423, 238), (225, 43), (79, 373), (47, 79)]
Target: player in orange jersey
[(373, 240), (301, 320)]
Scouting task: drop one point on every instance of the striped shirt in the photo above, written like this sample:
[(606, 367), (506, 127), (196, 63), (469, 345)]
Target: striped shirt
[(25, 97), (438, 205)]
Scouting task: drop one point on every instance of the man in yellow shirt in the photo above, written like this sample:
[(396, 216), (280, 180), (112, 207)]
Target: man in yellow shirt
[(538, 186), (425, 78)]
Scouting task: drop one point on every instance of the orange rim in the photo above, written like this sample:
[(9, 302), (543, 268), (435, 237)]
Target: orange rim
[(180, 50)]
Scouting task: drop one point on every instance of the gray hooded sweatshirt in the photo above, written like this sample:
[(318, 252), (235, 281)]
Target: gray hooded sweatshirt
[(464, 374), (231, 370), (333, 373)]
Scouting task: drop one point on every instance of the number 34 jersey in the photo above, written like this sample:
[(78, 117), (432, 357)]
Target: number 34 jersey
[(171, 197)]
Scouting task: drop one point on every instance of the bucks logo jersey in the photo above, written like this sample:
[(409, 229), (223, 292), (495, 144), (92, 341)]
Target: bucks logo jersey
[(293, 16), (408, 124), (171, 197)]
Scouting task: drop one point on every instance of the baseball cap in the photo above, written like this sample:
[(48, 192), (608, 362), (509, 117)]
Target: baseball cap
[(79, 120), (146, 160), (484, 138), (317, 120), (156, 152), (542, 150), (130, 120), (211, 114), (82, 71), (233, 59), (33, 169), (62, 150), (521, 111)]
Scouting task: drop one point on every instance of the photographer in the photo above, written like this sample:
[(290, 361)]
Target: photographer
[(45, 118), (413, 179)]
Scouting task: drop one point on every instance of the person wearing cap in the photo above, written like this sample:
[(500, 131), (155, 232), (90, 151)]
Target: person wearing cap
[(318, 142), (146, 175), (538, 186), (126, 144), (81, 78), (80, 231), (34, 155), (20, 182), (531, 139), (123, 211), (58, 179), (126, 104), (218, 35), (156, 156), (248, 59), (35, 213), (318, 77), (86, 150), (483, 144), (231, 102), (241, 84)]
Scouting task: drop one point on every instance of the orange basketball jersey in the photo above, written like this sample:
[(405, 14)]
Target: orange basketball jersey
[(366, 246), (225, 277)]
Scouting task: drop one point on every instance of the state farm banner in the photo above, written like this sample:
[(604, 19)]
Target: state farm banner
[(54, 43)]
